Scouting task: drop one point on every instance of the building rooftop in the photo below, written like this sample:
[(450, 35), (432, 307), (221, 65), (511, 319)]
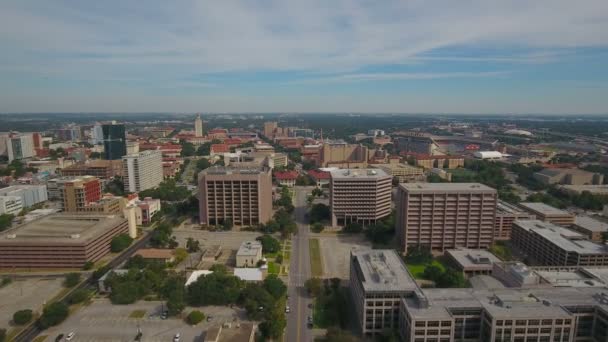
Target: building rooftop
[(590, 224), (399, 166), (564, 238), (61, 228), (383, 270), (568, 277), (195, 275), (236, 168), (594, 189), (249, 274), (503, 207), (472, 258), (249, 248), (543, 209), (155, 253), (446, 187), (358, 174)]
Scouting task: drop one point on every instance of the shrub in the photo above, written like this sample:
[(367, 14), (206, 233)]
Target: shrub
[(71, 279), (317, 227), (78, 296), (88, 265), (195, 317), (22, 317), (53, 314), (120, 242)]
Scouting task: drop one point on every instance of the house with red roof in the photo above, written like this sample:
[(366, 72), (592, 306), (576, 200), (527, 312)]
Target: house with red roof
[(286, 178), (219, 149), (321, 178)]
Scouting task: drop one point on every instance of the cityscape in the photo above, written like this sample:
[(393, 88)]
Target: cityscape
[(304, 171)]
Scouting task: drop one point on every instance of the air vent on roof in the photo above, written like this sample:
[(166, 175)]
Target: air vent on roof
[(11, 236), (75, 236)]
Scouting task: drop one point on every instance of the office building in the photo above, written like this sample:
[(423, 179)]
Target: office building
[(547, 213), (97, 134), (29, 194), (142, 171), (75, 193), (438, 161), (471, 262), (270, 129), (10, 205), (570, 176), (378, 281), (17, 146), (343, 155), (249, 254), (102, 169), (593, 229), (198, 126), (359, 195), (405, 173), (241, 193), (548, 244), (295, 132), (506, 213), (575, 190), (68, 134), (445, 215), (114, 141), (60, 241)]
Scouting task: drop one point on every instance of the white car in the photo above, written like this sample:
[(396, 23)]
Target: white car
[(177, 337), (287, 309), (70, 336)]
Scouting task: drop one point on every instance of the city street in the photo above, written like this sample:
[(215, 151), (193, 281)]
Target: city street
[(299, 300)]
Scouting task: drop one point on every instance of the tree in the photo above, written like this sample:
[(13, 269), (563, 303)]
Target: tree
[(192, 245), (161, 235), (314, 286), (180, 255), (353, 227), (303, 181), (2, 335), (88, 265), (317, 192), (195, 317), (71, 279), (187, 148), (53, 314), (334, 334), (274, 325), (120, 242), (269, 244), (419, 255), (319, 212), (176, 303), (78, 296), (317, 227), (22, 317), (275, 286), (6, 220), (433, 272), (219, 268), (227, 224), (116, 186), (214, 289)]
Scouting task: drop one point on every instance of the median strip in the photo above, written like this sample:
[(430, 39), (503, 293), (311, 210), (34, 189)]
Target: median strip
[(316, 268)]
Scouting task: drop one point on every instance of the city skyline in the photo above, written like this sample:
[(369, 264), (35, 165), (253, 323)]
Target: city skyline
[(509, 57)]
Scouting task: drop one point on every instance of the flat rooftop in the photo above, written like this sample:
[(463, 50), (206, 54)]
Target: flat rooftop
[(358, 173), (543, 209), (236, 169), (249, 248), (564, 238), (399, 166), (473, 258), (383, 271), (572, 278), (61, 228), (503, 207), (590, 224), (446, 187), (594, 189)]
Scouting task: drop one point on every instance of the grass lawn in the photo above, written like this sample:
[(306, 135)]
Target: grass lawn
[(137, 314), (286, 256), (502, 251), (417, 270), (271, 255), (273, 268), (319, 316), (315, 258)]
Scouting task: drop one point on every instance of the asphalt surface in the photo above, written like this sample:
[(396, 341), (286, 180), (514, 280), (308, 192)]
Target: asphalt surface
[(299, 272)]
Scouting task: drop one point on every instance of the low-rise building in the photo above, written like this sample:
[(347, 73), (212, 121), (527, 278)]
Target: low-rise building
[(157, 254), (29, 194), (506, 213), (472, 261), (404, 172), (321, 178), (249, 254), (286, 178), (593, 229), (547, 213), (103, 169), (571, 176), (579, 189), (10, 205)]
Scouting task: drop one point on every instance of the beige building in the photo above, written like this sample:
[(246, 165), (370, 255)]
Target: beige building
[(143, 170), (568, 176), (344, 155), (506, 213), (241, 193), (547, 213), (198, 126), (445, 215), (404, 172), (592, 228), (471, 262), (359, 195), (270, 129), (103, 169), (249, 253)]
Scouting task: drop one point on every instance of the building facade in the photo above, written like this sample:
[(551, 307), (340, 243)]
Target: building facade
[(506, 213), (75, 193), (102, 169), (198, 126), (114, 141), (249, 254), (29, 194), (547, 213), (593, 229), (241, 193), (142, 171), (10, 205), (359, 195), (405, 173), (344, 155), (445, 215), (19, 146)]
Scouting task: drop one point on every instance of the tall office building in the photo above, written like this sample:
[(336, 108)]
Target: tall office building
[(198, 126), (114, 141), (359, 195), (18, 146), (143, 170), (75, 193), (445, 215), (241, 193), (97, 134), (269, 129)]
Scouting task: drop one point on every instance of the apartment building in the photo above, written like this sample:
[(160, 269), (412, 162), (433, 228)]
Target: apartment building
[(19, 146), (10, 205), (548, 244), (359, 195), (102, 169), (547, 213), (445, 215), (142, 171), (506, 213), (404, 172), (241, 193), (379, 280)]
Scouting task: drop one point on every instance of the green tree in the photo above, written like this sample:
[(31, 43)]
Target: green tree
[(433, 272), (71, 279), (269, 244), (314, 286), (317, 192), (6, 220), (219, 268), (275, 286), (187, 149), (353, 227), (120, 242), (274, 325), (214, 289), (319, 212), (227, 224), (317, 227), (88, 265), (193, 245), (176, 303), (335, 334), (79, 296), (53, 314), (22, 317), (2, 335), (116, 186), (195, 317), (419, 255)]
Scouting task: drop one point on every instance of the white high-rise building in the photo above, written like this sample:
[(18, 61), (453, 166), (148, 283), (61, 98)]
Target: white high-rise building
[(19, 146), (198, 126), (143, 170), (97, 134)]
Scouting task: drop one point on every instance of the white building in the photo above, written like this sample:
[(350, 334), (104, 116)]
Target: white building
[(97, 134), (249, 254), (488, 155), (198, 126), (375, 132), (10, 205), (18, 145), (142, 171), (29, 194)]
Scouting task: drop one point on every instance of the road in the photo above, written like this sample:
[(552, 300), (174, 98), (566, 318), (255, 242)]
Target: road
[(299, 272)]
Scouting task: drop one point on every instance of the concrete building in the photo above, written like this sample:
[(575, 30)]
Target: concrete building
[(547, 213), (132, 147), (359, 195), (75, 193), (97, 134), (17, 146), (548, 244), (579, 189), (11, 205), (375, 132), (506, 213), (439, 161), (142, 171), (29, 194), (241, 193), (146, 210), (379, 280), (286, 178), (343, 155), (270, 129), (471, 262), (404, 172), (568, 176), (445, 215), (593, 229), (415, 142), (198, 126), (102, 169), (157, 254), (249, 253), (60, 241), (488, 155)]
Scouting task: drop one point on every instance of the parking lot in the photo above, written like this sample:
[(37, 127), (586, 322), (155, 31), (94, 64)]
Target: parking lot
[(338, 246), (102, 321), (29, 293)]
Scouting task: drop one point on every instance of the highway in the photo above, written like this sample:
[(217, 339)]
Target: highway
[(299, 272)]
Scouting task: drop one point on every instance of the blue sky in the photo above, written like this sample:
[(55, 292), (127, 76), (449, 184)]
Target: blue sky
[(469, 56)]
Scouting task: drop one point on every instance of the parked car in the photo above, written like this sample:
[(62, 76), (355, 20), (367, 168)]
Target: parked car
[(59, 338), (70, 336), (177, 337)]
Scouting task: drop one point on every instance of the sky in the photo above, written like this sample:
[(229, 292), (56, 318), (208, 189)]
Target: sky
[(409, 56)]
